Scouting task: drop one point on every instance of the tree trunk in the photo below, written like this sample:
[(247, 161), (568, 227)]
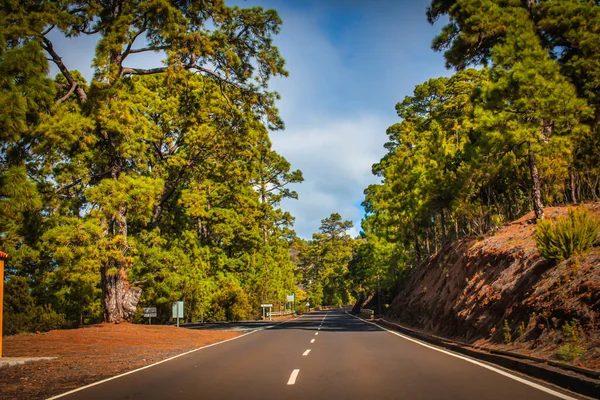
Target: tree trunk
[(572, 184), (120, 299), (536, 190), (417, 247), (456, 227), (443, 224)]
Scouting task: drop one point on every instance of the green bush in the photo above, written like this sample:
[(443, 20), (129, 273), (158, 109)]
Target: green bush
[(567, 236), (571, 350), (232, 303), (22, 315), (506, 331)]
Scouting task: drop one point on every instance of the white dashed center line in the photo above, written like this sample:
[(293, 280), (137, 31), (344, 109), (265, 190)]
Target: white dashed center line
[(312, 341), (316, 333), (306, 352), (293, 377)]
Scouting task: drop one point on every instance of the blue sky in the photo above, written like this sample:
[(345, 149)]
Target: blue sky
[(350, 62)]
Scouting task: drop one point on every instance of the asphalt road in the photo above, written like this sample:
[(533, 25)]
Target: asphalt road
[(323, 355)]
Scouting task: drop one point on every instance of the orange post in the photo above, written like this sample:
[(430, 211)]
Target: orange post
[(2, 257)]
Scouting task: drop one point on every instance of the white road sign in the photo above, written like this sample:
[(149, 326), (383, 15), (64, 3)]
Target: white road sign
[(150, 312)]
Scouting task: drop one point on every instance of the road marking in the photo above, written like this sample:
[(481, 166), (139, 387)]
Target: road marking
[(319, 328), (312, 341), (151, 365), (293, 377), (499, 371), (306, 352), (316, 333)]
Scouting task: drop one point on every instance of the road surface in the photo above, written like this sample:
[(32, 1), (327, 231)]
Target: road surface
[(323, 355)]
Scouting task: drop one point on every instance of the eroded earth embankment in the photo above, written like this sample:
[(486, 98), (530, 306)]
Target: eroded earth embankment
[(500, 292)]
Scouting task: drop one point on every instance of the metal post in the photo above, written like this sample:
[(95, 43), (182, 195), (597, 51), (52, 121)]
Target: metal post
[(378, 296), (2, 257)]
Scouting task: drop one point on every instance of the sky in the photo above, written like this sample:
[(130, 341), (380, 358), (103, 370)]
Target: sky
[(349, 63)]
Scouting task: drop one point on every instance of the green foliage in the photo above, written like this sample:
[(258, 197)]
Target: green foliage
[(231, 303), (161, 179), (324, 263), (506, 332), (522, 331), (567, 236), (488, 144), (21, 314), (571, 350)]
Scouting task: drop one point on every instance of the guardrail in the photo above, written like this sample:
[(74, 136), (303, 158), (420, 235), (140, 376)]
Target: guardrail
[(279, 313)]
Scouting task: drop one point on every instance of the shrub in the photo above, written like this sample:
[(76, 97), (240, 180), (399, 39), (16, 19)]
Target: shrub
[(507, 335), (22, 315), (567, 236), (522, 331), (571, 350)]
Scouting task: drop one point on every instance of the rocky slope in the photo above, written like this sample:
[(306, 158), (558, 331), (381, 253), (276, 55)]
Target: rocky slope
[(480, 290)]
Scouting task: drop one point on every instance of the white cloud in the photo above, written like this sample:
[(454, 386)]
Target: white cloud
[(331, 143), (335, 156)]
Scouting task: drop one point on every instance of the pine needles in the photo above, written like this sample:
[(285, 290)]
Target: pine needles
[(567, 236)]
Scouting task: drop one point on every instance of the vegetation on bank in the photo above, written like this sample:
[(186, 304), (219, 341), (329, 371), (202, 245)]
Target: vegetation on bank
[(516, 128)]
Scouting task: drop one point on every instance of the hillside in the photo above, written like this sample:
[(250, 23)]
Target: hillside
[(469, 289)]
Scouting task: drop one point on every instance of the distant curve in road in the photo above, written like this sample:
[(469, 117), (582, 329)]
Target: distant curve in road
[(322, 355)]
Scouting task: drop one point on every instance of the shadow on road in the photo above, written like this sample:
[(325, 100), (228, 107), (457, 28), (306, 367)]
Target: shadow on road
[(335, 321)]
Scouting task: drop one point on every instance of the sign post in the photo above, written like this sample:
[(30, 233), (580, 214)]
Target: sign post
[(264, 307), (2, 257), (291, 298), (178, 311), (150, 312)]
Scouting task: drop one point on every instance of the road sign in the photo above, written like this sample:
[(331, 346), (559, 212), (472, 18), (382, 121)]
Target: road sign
[(150, 312), (178, 311), (264, 307)]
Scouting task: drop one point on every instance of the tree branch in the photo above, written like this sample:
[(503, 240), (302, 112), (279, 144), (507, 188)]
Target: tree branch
[(69, 93), (79, 180), (128, 49), (47, 31), (151, 71), (157, 48), (47, 45)]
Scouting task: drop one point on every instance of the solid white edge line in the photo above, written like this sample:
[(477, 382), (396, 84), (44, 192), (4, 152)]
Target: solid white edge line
[(499, 371), (147, 366), (293, 377), (306, 352)]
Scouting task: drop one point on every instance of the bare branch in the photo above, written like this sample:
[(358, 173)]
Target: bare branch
[(79, 180), (47, 45), (128, 49), (156, 48), (69, 93), (151, 71), (47, 31)]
